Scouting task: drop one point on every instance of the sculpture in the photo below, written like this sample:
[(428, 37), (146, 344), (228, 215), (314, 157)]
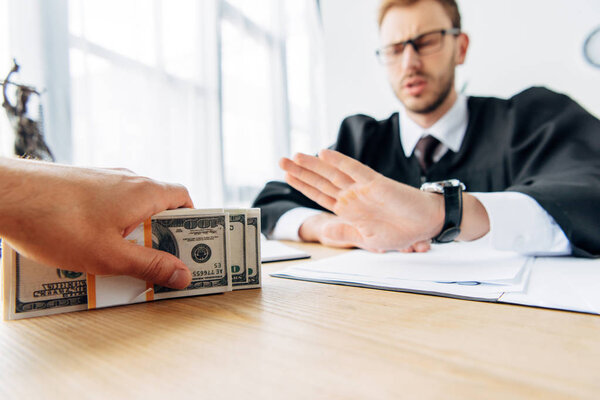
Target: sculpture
[(29, 138)]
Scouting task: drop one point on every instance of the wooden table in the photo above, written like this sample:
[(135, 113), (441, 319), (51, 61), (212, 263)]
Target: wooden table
[(294, 339)]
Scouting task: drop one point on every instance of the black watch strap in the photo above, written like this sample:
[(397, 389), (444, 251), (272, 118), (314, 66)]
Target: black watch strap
[(453, 217)]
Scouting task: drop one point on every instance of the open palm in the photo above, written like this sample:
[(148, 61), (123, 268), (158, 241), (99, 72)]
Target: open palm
[(386, 214)]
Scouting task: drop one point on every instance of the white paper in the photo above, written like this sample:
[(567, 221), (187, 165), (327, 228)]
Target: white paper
[(466, 270), (453, 262), (564, 283), (117, 290), (272, 250), (482, 291)]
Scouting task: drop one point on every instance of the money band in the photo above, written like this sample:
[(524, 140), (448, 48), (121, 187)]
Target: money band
[(91, 278), (91, 291)]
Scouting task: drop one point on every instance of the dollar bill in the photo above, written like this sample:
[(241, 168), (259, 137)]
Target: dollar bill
[(253, 263), (237, 236), (31, 289), (201, 242)]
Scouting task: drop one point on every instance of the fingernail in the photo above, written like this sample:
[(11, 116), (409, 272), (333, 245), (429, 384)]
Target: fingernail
[(180, 279)]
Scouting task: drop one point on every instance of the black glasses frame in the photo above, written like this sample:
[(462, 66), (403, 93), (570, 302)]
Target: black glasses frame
[(413, 41)]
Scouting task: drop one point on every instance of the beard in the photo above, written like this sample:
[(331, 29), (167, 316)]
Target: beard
[(439, 96)]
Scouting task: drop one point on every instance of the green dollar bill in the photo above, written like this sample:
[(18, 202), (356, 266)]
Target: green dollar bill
[(253, 263), (32, 289), (201, 242), (237, 240)]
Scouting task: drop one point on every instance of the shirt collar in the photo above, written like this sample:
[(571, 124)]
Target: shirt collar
[(449, 130)]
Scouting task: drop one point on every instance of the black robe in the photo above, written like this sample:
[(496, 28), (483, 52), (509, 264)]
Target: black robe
[(538, 142)]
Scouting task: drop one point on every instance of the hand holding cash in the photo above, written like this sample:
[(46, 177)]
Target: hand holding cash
[(77, 218), (94, 226)]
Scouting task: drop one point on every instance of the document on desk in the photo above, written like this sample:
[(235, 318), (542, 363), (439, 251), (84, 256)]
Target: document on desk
[(564, 283), (272, 250), (465, 270)]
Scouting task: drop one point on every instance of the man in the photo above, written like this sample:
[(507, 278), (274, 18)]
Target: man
[(531, 164), (77, 218)]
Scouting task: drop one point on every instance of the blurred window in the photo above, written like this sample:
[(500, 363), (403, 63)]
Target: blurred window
[(208, 93)]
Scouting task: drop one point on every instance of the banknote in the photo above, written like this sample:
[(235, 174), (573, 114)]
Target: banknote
[(253, 262), (201, 242), (237, 236), (31, 289)]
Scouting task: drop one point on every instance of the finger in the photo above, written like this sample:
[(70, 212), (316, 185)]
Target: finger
[(335, 243), (349, 166), (318, 166), (168, 196), (151, 265), (312, 193), (372, 249), (285, 163), (418, 247), (422, 247), (175, 196), (343, 235), (309, 177)]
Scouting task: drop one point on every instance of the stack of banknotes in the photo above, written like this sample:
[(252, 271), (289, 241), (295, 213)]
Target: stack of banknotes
[(221, 247)]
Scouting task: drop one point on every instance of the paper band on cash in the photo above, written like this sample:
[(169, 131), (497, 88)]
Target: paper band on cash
[(111, 290), (200, 238)]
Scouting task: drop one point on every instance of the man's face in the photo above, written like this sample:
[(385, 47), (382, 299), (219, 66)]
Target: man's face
[(422, 82)]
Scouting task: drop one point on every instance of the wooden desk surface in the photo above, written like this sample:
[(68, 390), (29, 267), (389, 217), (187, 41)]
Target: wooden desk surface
[(294, 339)]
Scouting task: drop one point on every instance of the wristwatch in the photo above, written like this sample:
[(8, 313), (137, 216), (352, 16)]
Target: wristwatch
[(452, 190)]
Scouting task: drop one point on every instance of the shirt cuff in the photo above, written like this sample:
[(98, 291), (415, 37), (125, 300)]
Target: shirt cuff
[(519, 223), (290, 222)]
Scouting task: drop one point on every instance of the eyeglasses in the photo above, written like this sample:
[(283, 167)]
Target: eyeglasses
[(424, 44)]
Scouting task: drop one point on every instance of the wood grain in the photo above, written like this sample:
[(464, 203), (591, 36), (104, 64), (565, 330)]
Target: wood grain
[(294, 339)]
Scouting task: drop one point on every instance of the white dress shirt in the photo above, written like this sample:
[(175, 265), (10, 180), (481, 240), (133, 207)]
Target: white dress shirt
[(517, 221)]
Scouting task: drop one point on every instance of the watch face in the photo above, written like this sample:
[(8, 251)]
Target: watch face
[(452, 182), (438, 187)]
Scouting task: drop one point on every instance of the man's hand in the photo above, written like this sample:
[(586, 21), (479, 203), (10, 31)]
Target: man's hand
[(386, 215), (331, 230), (77, 218)]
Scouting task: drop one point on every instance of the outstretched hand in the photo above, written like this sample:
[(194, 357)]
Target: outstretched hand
[(332, 230), (376, 213), (77, 218)]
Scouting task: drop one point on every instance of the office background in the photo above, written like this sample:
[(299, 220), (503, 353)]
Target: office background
[(211, 93)]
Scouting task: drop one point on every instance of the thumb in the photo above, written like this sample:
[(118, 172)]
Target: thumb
[(342, 234), (152, 265), (422, 247)]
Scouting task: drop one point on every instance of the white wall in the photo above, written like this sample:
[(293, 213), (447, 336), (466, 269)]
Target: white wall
[(514, 44)]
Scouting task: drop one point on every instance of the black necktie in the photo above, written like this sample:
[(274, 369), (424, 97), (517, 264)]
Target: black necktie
[(424, 151)]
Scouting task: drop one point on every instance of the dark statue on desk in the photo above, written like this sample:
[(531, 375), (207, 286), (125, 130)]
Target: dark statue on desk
[(29, 138)]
